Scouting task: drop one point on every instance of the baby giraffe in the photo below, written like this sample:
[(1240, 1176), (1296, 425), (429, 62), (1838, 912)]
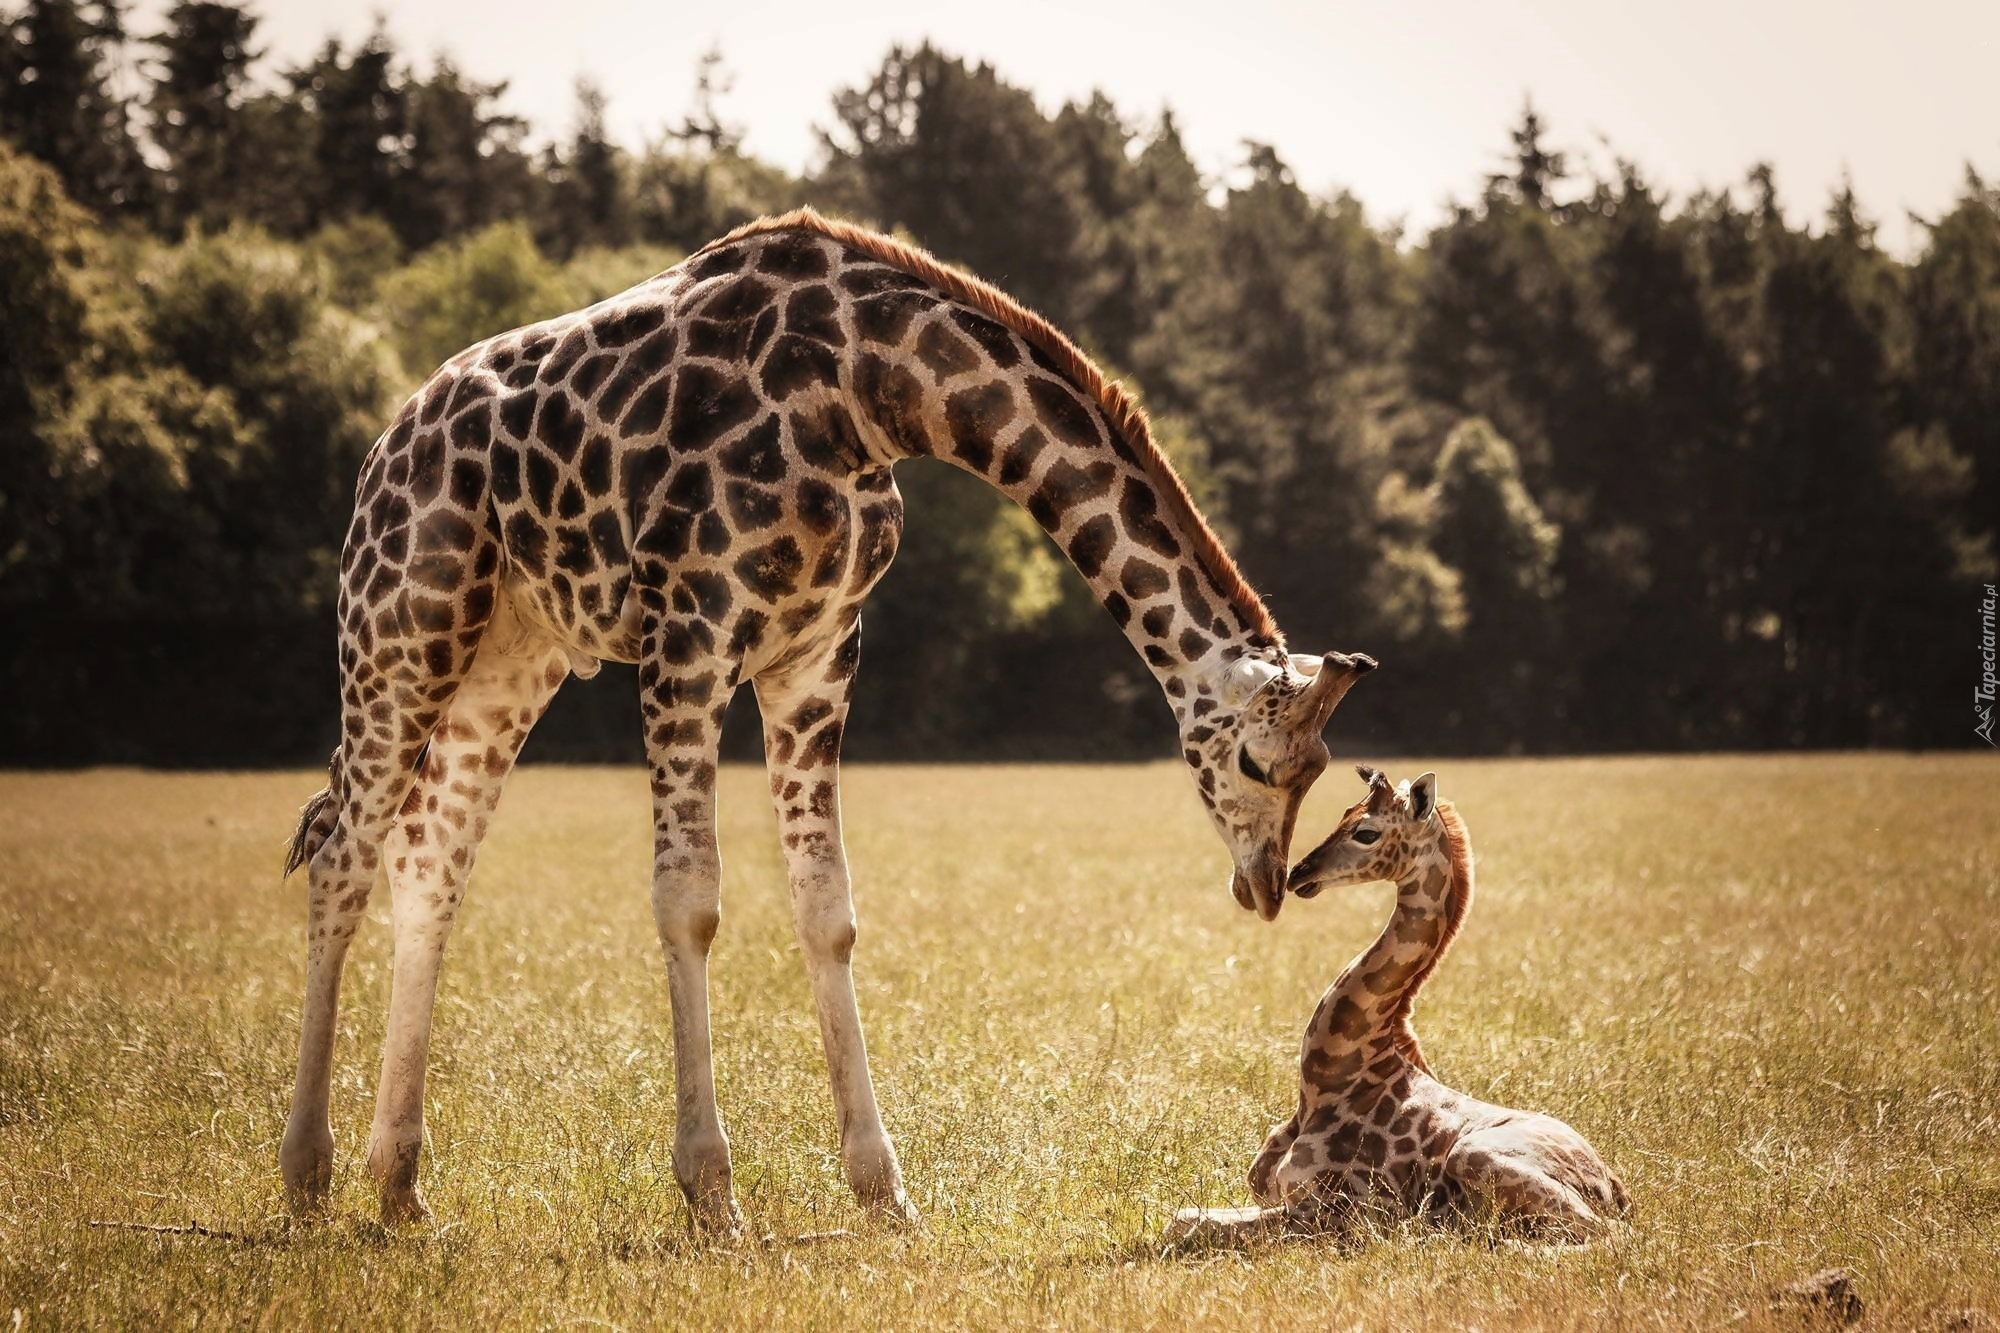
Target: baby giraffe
[(1375, 1134)]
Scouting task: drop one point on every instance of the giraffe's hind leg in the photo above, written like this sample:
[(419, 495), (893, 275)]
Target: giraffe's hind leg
[(1509, 1187), (418, 588), (429, 853), (389, 711)]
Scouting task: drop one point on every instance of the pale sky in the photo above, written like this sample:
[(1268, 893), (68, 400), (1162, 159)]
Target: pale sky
[(1406, 104)]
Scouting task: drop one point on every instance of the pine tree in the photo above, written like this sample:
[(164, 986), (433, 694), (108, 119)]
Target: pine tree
[(703, 128), (1536, 169), (196, 107), (1954, 375), (58, 59), (592, 197), (465, 166), (358, 108), (967, 163)]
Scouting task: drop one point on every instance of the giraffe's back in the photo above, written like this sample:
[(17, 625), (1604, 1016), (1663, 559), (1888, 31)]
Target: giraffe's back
[(681, 455)]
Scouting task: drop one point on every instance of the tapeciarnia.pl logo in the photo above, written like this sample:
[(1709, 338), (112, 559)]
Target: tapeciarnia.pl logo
[(1982, 693)]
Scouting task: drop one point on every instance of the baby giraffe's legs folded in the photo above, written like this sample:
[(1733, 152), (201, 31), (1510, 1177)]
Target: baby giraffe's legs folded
[(1222, 1228), (1276, 1145), (1233, 1228), (1507, 1185)]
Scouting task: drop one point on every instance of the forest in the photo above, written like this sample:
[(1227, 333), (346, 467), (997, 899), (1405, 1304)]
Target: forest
[(1590, 467)]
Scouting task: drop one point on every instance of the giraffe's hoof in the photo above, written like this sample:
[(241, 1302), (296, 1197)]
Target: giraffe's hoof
[(896, 1209), (306, 1162), (877, 1181), (402, 1208), (394, 1166), (718, 1219)]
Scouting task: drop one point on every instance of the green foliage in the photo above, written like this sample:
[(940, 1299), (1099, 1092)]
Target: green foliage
[(45, 243), (457, 294), (356, 255), (145, 464), (1274, 345), (1573, 425), (188, 429), (591, 275), (1485, 524), (465, 166), (246, 318), (359, 107), (1954, 315), (685, 196), (1494, 581), (696, 182), (590, 198)]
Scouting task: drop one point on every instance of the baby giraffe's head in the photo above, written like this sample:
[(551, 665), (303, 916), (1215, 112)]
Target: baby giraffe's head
[(1384, 835)]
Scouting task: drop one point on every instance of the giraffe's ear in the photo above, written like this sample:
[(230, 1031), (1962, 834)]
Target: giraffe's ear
[(1328, 680), (1423, 796), (1246, 676)]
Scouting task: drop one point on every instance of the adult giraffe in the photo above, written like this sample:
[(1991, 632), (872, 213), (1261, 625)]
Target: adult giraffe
[(694, 475)]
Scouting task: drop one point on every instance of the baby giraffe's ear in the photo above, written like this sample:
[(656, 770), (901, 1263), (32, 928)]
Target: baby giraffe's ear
[(1381, 792), (1423, 796)]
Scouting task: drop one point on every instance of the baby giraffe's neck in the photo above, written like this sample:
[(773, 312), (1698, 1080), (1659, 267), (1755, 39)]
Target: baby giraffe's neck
[(1371, 1000)]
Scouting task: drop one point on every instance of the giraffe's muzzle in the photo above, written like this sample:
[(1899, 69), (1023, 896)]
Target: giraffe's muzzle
[(1261, 889)]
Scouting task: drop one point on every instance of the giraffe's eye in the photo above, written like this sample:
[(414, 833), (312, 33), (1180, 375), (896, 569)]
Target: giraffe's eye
[(1250, 769), (1365, 836)]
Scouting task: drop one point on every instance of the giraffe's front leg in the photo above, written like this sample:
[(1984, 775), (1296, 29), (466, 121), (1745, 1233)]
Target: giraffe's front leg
[(1276, 1144), (804, 714), (1195, 1229), (683, 706)]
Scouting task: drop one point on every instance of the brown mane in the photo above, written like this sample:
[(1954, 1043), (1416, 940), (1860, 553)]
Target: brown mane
[(1457, 899), (1125, 416)]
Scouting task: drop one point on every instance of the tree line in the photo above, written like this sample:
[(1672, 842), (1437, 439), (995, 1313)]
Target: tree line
[(1590, 467)]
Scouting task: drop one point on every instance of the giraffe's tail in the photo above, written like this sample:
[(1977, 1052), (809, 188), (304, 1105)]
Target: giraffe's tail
[(316, 820)]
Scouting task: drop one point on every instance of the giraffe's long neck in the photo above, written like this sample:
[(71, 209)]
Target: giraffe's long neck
[(963, 389), (1373, 996)]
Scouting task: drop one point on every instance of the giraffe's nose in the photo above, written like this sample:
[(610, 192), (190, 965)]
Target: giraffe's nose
[(1261, 888), (1239, 888)]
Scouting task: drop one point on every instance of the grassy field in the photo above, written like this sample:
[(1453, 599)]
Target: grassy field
[(1765, 987)]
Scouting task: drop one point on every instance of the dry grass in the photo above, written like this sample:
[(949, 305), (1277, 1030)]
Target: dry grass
[(1765, 987)]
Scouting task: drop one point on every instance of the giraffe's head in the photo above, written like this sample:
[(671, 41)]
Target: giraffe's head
[(1255, 754), (1381, 837)]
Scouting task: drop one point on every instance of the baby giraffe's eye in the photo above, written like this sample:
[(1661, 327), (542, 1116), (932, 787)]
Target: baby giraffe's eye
[(1364, 836), (1249, 768)]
